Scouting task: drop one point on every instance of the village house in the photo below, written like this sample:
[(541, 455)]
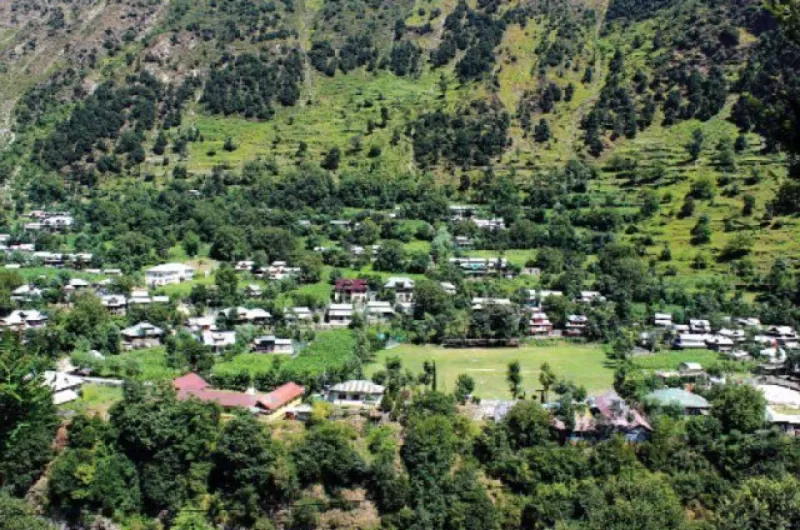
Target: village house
[(720, 343), (539, 324), (65, 387), (349, 291), (377, 312), (587, 297), (699, 326), (576, 325), (339, 315), (280, 270), (736, 335), (115, 303), (299, 314), (691, 341), (749, 322), (26, 293), (481, 266), (480, 303), (218, 340), (112, 272), (784, 336), (272, 344), (168, 274), (244, 266), (142, 335), (463, 243), (58, 223), (537, 297), (253, 291), (460, 212), (403, 289), (243, 315), (691, 404), (606, 415), (22, 320), (662, 320), (200, 324), (77, 285), (356, 394), (273, 405), (448, 288), (491, 225)]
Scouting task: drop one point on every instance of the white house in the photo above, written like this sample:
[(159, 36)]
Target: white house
[(115, 303), (587, 297), (218, 340), (377, 311), (21, 320), (576, 325), (448, 288), (168, 274), (699, 326), (403, 288), (339, 314), (691, 341), (65, 387), (272, 344), (663, 320), (242, 315), (356, 394), (26, 293), (479, 303), (300, 314)]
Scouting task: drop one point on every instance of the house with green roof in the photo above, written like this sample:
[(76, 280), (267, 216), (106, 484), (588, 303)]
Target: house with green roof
[(690, 403)]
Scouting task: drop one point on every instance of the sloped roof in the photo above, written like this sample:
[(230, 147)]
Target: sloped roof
[(282, 396), (360, 386), (190, 381), (684, 398)]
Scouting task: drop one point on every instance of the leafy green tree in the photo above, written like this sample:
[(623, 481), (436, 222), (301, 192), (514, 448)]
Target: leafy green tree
[(761, 503), (695, 145), (701, 232), (390, 257), (250, 470), (738, 407), (326, 456), (514, 378), (527, 424), (465, 386), (16, 514), (547, 378), (227, 284)]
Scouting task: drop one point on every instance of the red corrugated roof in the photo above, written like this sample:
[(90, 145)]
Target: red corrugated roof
[(192, 385), (345, 284), (190, 381), (281, 396)]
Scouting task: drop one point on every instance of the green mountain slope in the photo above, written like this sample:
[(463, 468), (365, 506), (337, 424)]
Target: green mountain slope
[(135, 89)]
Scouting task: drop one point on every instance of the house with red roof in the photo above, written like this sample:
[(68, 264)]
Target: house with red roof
[(273, 404), (606, 415), (350, 291)]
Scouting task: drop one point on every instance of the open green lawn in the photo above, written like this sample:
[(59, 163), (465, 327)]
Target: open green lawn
[(669, 360), (95, 399), (583, 364)]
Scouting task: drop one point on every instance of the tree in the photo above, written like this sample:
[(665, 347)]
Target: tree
[(17, 514), (227, 284), (514, 378), (749, 204), (725, 157), (326, 457), (191, 244), (738, 407), (701, 232), (541, 133), (527, 424), (695, 145), (332, 159), (249, 469), (547, 378), (761, 503), (442, 245), (465, 385), (391, 256)]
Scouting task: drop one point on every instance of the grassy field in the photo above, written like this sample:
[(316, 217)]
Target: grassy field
[(330, 349), (669, 360), (95, 399), (583, 364)]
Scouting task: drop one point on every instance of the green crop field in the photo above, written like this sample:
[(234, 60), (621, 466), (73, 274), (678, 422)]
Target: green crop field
[(583, 364)]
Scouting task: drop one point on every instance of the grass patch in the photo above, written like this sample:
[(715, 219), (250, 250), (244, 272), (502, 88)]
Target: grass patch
[(95, 399), (670, 360), (152, 364), (584, 364), (330, 351)]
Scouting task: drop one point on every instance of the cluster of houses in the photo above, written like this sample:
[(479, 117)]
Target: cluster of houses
[(539, 323), (42, 221), (276, 271), (731, 339)]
